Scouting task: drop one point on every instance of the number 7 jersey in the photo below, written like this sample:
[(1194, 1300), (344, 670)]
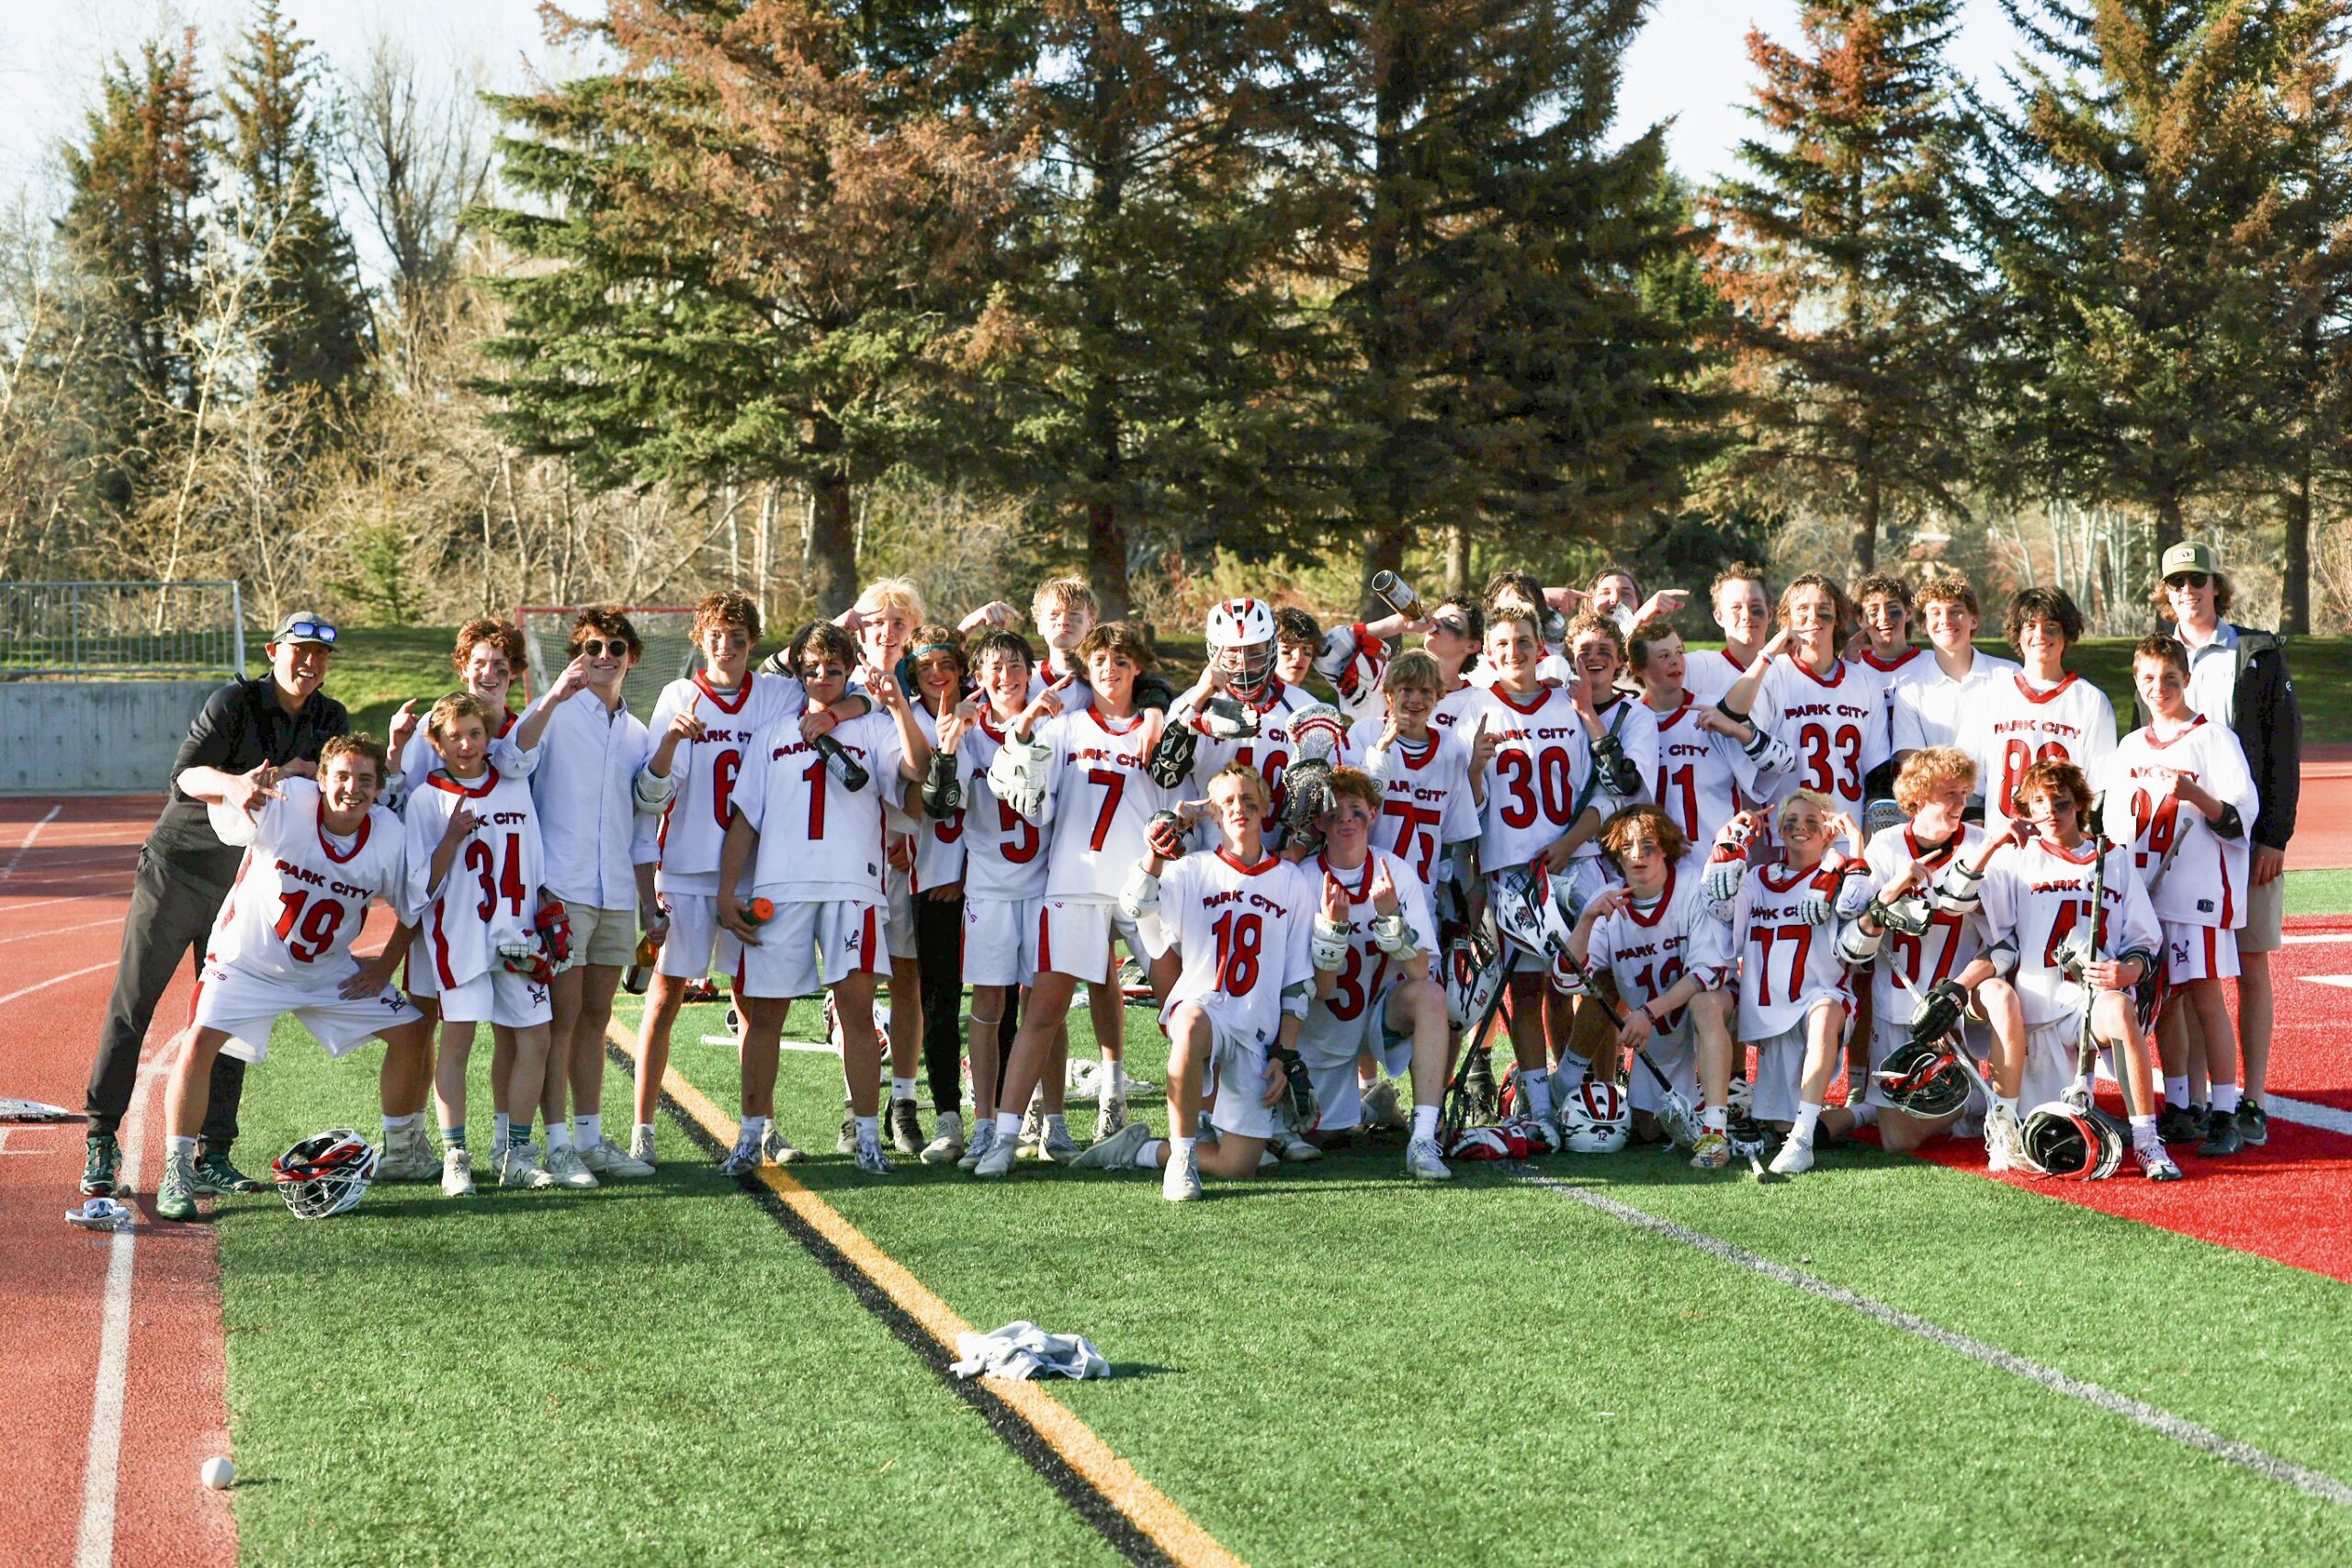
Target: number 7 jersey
[(302, 896)]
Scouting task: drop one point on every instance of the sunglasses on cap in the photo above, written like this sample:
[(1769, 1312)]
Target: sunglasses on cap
[(2189, 580), (307, 631)]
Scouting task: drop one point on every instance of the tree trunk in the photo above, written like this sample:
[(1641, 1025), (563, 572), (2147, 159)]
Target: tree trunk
[(2295, 589), (1382, 551), (831, 557), (1866, 524), (1106, 557), (1457, 560)]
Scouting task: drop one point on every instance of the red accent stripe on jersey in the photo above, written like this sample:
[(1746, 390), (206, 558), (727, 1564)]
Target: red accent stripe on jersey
[(358, 839), (439, 779), (2212, 959), (866, 943), (1095, 713), (441, 952), (1836, 671), (1261, 867), (1764, 873), (1910, 652), (1665, 902), (1536, 699), (1932, 856), (1044, 940), (2222, 863), (2053, 694), (509, 718), (1681, 712), (1429, 751), (1355, 895), (718, 700), (2186, 730)]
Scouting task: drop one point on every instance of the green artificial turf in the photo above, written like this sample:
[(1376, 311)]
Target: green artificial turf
[(2319, 893), (1331, 1365)]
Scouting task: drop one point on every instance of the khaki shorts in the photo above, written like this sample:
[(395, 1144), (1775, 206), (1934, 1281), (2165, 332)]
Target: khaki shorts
[(602, 936), (2265, 918)]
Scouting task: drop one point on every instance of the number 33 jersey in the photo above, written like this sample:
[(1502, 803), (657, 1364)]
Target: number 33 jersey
[(492, 893), (1245, 932), (300, 896)]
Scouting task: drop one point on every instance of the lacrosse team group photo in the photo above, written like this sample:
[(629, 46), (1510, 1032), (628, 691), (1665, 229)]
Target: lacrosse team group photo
[(813, 785)]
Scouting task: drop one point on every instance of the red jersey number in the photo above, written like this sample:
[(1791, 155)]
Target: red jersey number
[(307, 935), (1238, 938), (1796, 941)]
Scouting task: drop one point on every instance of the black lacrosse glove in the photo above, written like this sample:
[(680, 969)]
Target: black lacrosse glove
[(1303, 1108), (942, 793), (1938, 1011)]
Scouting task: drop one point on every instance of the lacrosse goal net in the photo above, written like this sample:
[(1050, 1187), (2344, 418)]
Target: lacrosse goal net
[(667, 631)]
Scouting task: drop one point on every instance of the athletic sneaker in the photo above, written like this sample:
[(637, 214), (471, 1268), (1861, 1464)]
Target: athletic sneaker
[(408, 1156), (524, 1166), (1795, 1159), (101, 1165), (2156, 1165), (996, 1159), (1032, 1125), (983, 1140), (215, 1175), (847, 1143), (1381, 1112), (1290, 1148), (2223, 1138), (1116, 1152), (947, 1145), (1181, 1181), (568, 1171), (1267, 1160), (741, 1160), (870, 1158), (175, 1194), (2179, 1124), (640, 1146), (2004, 1143), (905, 1130), (608, 1159), (456, 1173), (2253, 1123), (1423, 1163), (776, 1149), (1544, 1130), (1712, 1152), (1110, 1117), (1056, 1145)]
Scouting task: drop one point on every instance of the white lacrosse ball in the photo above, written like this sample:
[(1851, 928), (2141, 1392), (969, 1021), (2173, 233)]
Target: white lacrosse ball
[(217, 1473)]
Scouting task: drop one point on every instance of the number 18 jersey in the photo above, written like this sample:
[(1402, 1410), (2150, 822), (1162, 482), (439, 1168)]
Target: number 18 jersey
[(300, 896), (1244, 932)]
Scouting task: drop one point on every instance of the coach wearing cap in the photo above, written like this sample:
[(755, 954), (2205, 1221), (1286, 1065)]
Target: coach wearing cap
[(2238, 676), (248, 734)]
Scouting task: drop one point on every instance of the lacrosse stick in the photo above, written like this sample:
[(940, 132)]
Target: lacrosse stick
[(2085, 1041), (1674, 1112), (1456, 1107)]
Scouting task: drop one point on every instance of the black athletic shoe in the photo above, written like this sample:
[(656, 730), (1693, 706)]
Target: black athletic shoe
[(2179, 1124), (2254, 1124), (102, 1166), (905, 1130), (2222, 1138), (215, 1175)]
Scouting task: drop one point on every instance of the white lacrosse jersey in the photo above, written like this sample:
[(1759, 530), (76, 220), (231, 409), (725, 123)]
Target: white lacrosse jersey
[(1535, 780), (1269, 751), (1369, 972), (2037, 897), (301, 895), (1245, 934), (1836, 725), (2192, 874), (418, 759), (1099, 800), (1932, 709), (1353, 661), (2014, 724), (1786, 967), (491, 894), (705, 772), (1950, 941), (1636, 726), (1646, 949), (1426, 803), (820, 842), (1709, 672), (1703, 779), (1075, 696), (1449, 714), (938, 841), (1003, 852)]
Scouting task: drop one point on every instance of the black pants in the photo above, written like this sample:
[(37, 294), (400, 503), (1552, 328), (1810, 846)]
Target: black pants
[(939, 951), (172, 908)]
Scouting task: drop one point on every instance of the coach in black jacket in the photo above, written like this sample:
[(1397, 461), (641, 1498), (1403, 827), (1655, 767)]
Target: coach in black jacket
[(2238, 676), (276, 722)]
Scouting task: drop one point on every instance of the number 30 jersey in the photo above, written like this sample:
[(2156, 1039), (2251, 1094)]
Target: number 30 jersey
[(1535, 777), (706, 769), (492, 893), (1244, 932), (300, 896)]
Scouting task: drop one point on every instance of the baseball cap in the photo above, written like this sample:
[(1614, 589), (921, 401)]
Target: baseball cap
[(2186, 557), (304, 625)]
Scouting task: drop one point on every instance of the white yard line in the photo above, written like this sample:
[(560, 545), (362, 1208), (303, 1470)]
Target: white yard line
[(55, 980), (31, 833), (101, 1471), (61, 930), (2304, 1114), (2138, 1412)]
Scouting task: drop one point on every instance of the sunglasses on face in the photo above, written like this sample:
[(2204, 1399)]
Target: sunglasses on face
[(2189, 580), (596, 647), (309, 631)]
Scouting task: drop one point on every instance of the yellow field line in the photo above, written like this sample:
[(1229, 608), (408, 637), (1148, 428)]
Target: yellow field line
[(1145, 1505)]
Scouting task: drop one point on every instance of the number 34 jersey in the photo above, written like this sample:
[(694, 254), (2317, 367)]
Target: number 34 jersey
[(1245, 932), (300, 896), (492, 892)]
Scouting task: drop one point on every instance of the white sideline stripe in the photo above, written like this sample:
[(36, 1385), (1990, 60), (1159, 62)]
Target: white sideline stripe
[(6, 910), (2162, 1422), (101, 1471), (2303, 937), (2304, 1114), (61, 930), (2341, 982), (31, 833), (55, 980)]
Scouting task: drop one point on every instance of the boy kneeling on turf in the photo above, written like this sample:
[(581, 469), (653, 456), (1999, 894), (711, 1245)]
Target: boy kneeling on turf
[(317, 854), (1244, 920)]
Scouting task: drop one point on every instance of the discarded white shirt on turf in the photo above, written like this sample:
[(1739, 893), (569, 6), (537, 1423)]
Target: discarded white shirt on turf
[(1024, 1350)]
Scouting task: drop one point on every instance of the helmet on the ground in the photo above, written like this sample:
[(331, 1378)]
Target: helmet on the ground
[(1922, 1078), (326, 1174), (2075, 1144), (1596, 1118), (1242, 644)]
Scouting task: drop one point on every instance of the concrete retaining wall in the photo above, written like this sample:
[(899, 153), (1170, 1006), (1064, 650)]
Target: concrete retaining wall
[(93, 738)]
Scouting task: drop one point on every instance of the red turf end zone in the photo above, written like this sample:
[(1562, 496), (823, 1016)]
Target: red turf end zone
[(61, 903)]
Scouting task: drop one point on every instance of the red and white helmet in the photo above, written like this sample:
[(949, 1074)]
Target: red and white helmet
[(1241, 645), (326, 1175), (1596, 1118)]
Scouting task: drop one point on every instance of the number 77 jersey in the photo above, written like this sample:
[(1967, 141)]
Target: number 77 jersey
[(1787, 966)]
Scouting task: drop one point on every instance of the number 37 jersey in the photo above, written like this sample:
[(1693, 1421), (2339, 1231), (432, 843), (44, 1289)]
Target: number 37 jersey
[(300, 896)]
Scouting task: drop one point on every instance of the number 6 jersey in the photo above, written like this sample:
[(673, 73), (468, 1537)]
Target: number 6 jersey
[(300, 896)]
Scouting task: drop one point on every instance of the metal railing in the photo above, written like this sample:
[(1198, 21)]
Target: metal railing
[(121, 628)]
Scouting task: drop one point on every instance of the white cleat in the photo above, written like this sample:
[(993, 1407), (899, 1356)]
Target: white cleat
[(1795, 1159), (640, 1146), (947, 1146), (608, 1161), (1056, 1145), (998, 1160), (1181, 1181), (776, 1149), (1290, 1148), (456, 1173), (742, 1160), (1116, 1152), (983, 1140), (523, 1168), (568, 1171), (2156, 1165), (1423, 1163), (1111, 1118), (408, 1156), (870, 1158)]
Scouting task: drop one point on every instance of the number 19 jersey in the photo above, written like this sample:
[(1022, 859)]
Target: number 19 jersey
[(300, 896)]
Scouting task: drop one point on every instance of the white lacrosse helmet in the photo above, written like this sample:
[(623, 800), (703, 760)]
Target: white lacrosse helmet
[(326, 1174), (1242, 644), (1596, 1118)]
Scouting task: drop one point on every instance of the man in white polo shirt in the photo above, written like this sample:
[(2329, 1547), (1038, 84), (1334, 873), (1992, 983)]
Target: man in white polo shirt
[(1929, 711)]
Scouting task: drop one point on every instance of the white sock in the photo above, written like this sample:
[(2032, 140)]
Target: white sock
[(180, 1146), (1536, 1087), (1148, 1156), (2225, 1099), (1179, 1148), (2176, 1091), (1808, 1117), (2144, 1133), (559, 1136), (869, 1129), (403, 1123), (500, 1125), (1425, 1122), (1569, 1074), (588, 1131), (1715, 1118), (902, 1088), (1865, 1113), (754, 1132), (1008, 1124), (2009, 1104)]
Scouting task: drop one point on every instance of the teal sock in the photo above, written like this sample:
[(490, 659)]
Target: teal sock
[(517, 1134), (454, 1138)]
